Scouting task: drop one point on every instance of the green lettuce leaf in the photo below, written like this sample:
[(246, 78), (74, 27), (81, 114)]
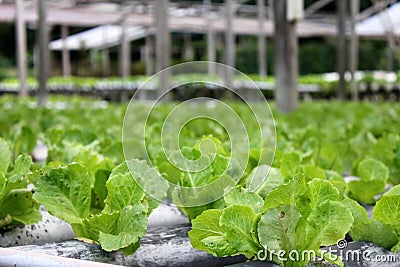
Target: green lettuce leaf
[(22, 164), (373, 177), (387, 209), (121, 221), (218, 246), (129, 227), (312, 172), (376, 232), (263, 179), (65, 192), (151, 182), (24, 141), (327, 224), (277, 228), (122, 191), (286, 194), (359, 213), (5, 156), (242, 196), (16, 202), (290, 165), (207, 234), (238, 222), (328, 157), (320, 191)]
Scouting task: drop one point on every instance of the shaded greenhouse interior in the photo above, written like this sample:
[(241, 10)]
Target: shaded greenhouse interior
[(110, 29)]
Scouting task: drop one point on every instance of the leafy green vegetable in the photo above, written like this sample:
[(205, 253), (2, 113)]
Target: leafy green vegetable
[(66, 192), (376, 232), (16, 203), (297, 216), (122, 191), (243, 197), (205, 185), (285, 194), (25, 140), (373, 177), (263, 184), (387, 209), (277, 229), (334, 138), (5, 156), (313, 172), (305, 219), (384, 229), (328, 157), (290, 163), (238, 222), (320, 191), (122, 230), (327, 224), (359, 213), (207, 234)]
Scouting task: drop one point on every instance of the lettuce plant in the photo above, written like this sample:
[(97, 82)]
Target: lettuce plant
[(120, 220), (384, 227), (373, 176), (17, 205), (297, 216)]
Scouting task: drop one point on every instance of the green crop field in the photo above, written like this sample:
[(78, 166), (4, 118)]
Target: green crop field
[(291, 196)]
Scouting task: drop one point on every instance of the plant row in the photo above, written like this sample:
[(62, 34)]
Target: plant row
[(325, 83), (301, 200)]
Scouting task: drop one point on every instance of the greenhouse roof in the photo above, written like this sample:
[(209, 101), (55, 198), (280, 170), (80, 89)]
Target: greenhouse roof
[(382, 23), (180, 20), (99, 37)]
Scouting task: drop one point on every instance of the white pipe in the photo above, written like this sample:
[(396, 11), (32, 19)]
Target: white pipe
[(14, 257)]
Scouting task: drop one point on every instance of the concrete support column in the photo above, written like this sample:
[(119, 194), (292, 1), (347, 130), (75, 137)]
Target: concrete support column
[(66, 61), (163, 44), (341, 6), (43, 57), (21, 46), (262, 67), (355, 9), (149, 55), (229, 41), (125, 53), (188, 51), (286, 59)]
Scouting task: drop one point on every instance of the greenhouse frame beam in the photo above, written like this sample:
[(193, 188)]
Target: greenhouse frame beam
[(314, 7), (86, 17), (376, 7)]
